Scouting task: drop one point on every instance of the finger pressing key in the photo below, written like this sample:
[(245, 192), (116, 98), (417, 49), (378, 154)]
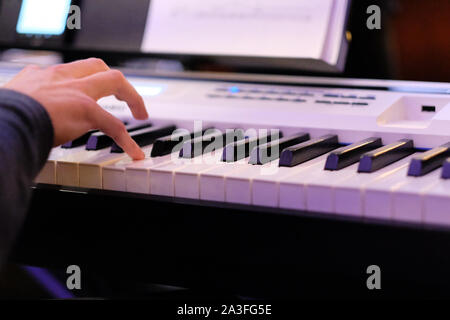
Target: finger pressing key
[(114, 128)]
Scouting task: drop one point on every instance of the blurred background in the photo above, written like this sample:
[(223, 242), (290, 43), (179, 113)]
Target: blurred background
[(413, 43)]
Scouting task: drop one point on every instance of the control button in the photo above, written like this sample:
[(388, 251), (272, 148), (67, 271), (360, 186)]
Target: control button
[(331, 95), (368, 97), (341, 102), (214, 96), (323, 101)]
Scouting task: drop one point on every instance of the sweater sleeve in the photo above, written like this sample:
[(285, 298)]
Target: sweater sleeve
[(26, 137)]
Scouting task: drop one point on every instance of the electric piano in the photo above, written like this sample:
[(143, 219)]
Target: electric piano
[(322, 178)]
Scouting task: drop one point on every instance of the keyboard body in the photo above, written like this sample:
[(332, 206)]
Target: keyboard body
[(254, 246)]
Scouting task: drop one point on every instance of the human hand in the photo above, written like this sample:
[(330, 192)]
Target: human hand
[(69, 92)]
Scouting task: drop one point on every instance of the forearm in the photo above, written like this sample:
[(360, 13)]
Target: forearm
[(26, 137)]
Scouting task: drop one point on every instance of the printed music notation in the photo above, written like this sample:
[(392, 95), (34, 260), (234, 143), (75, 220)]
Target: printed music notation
[(238, 10), (282, 28)]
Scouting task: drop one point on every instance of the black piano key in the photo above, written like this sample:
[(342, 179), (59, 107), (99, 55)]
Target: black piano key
[(428, 161), (381, 157), (446, 169), (272, 150), (308, 150), (241, 149), (99, 140), (174, 142), (212, 139), (80, 141), (348, 155), (146, 136)]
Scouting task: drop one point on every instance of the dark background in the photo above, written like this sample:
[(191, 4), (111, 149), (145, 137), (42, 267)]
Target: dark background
[(413, 43)]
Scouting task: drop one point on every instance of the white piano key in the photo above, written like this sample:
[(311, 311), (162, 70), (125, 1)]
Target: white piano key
[(90, 170), (84, 169), (67, 168), (409, 197), (238, 183), (137, 174), (114, 176), (162, 177), (265, 192), (292, 189), (48, 172), (212, 182), (291, 195), (378, 201), (67, 173), (437, 203), (187, 178), (349, 194), (320, 187), (265, 189)]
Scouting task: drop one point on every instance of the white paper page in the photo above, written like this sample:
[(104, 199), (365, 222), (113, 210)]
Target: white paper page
[(335, 32), (259, 28)]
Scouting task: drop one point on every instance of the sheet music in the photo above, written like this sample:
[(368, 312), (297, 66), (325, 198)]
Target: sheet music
[(264, 28)]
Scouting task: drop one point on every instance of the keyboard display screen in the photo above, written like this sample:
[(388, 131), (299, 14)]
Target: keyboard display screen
[(44, 17)]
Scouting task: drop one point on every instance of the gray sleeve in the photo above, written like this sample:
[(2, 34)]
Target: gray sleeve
[(26, 137)]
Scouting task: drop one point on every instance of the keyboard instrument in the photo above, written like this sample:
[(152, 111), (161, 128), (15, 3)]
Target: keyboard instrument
[(365, 153), (257, 168)]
